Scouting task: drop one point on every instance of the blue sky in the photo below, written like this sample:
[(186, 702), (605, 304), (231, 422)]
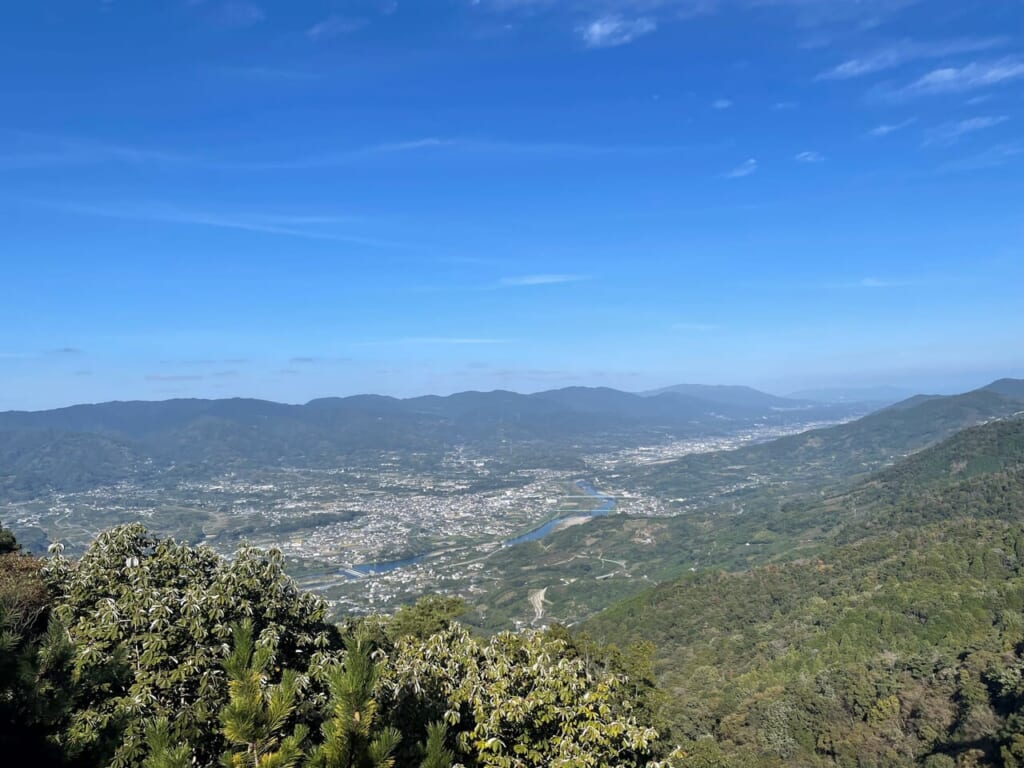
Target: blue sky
[(291, 199)]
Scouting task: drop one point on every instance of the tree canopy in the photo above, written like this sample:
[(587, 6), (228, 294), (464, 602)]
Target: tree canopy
[(147, 652)]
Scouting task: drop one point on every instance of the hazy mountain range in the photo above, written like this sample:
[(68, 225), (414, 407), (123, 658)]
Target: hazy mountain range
[(848, 449), (880, 394), (85, 445), (99, 439), (740, 396)]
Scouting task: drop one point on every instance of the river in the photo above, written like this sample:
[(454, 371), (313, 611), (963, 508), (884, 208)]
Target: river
[(538, 533)]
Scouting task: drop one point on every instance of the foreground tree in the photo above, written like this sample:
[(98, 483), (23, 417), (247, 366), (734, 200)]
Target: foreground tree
[(435, 752), (164, 752), (26, 720), (150, 624), (255, 718), (427, 616), (517, 700), (166, 656), (352, 737), (8, 543)]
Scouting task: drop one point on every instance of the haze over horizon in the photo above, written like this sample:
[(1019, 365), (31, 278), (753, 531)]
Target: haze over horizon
[(879, 394), (307, 199)]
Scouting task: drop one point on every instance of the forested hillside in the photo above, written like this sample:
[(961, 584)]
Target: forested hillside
[(970, 452), (898, 642), (836, 454)]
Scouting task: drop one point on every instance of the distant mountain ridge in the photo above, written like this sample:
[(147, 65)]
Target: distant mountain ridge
[(1012, 388), (755, 398), (849, 449), (732, 395), (880, 394), (75, 447), (83, 446), (139, 418)]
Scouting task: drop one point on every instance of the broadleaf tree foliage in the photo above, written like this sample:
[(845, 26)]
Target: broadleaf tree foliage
[(152, 653), (151, 624)]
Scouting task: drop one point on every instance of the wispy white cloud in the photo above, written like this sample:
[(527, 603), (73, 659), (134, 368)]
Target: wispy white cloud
[(809, 156), (886, 128), (876, 282), (36, 151), (334, 26), (905, 51), (612, 30), (435, 340), (547, 279), (694, 327), (457, 340), (317, 359), (173, 377), (303, 226), (949, 133), (554, 148), (865, 14), (511, 282), (240, 13), (266, 74), (966, 78), (807, 13), (66, 352), (870, 283), (464, 146), (745, 168), (335, 159), (994, 157), (721, 103), (42, 152)]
